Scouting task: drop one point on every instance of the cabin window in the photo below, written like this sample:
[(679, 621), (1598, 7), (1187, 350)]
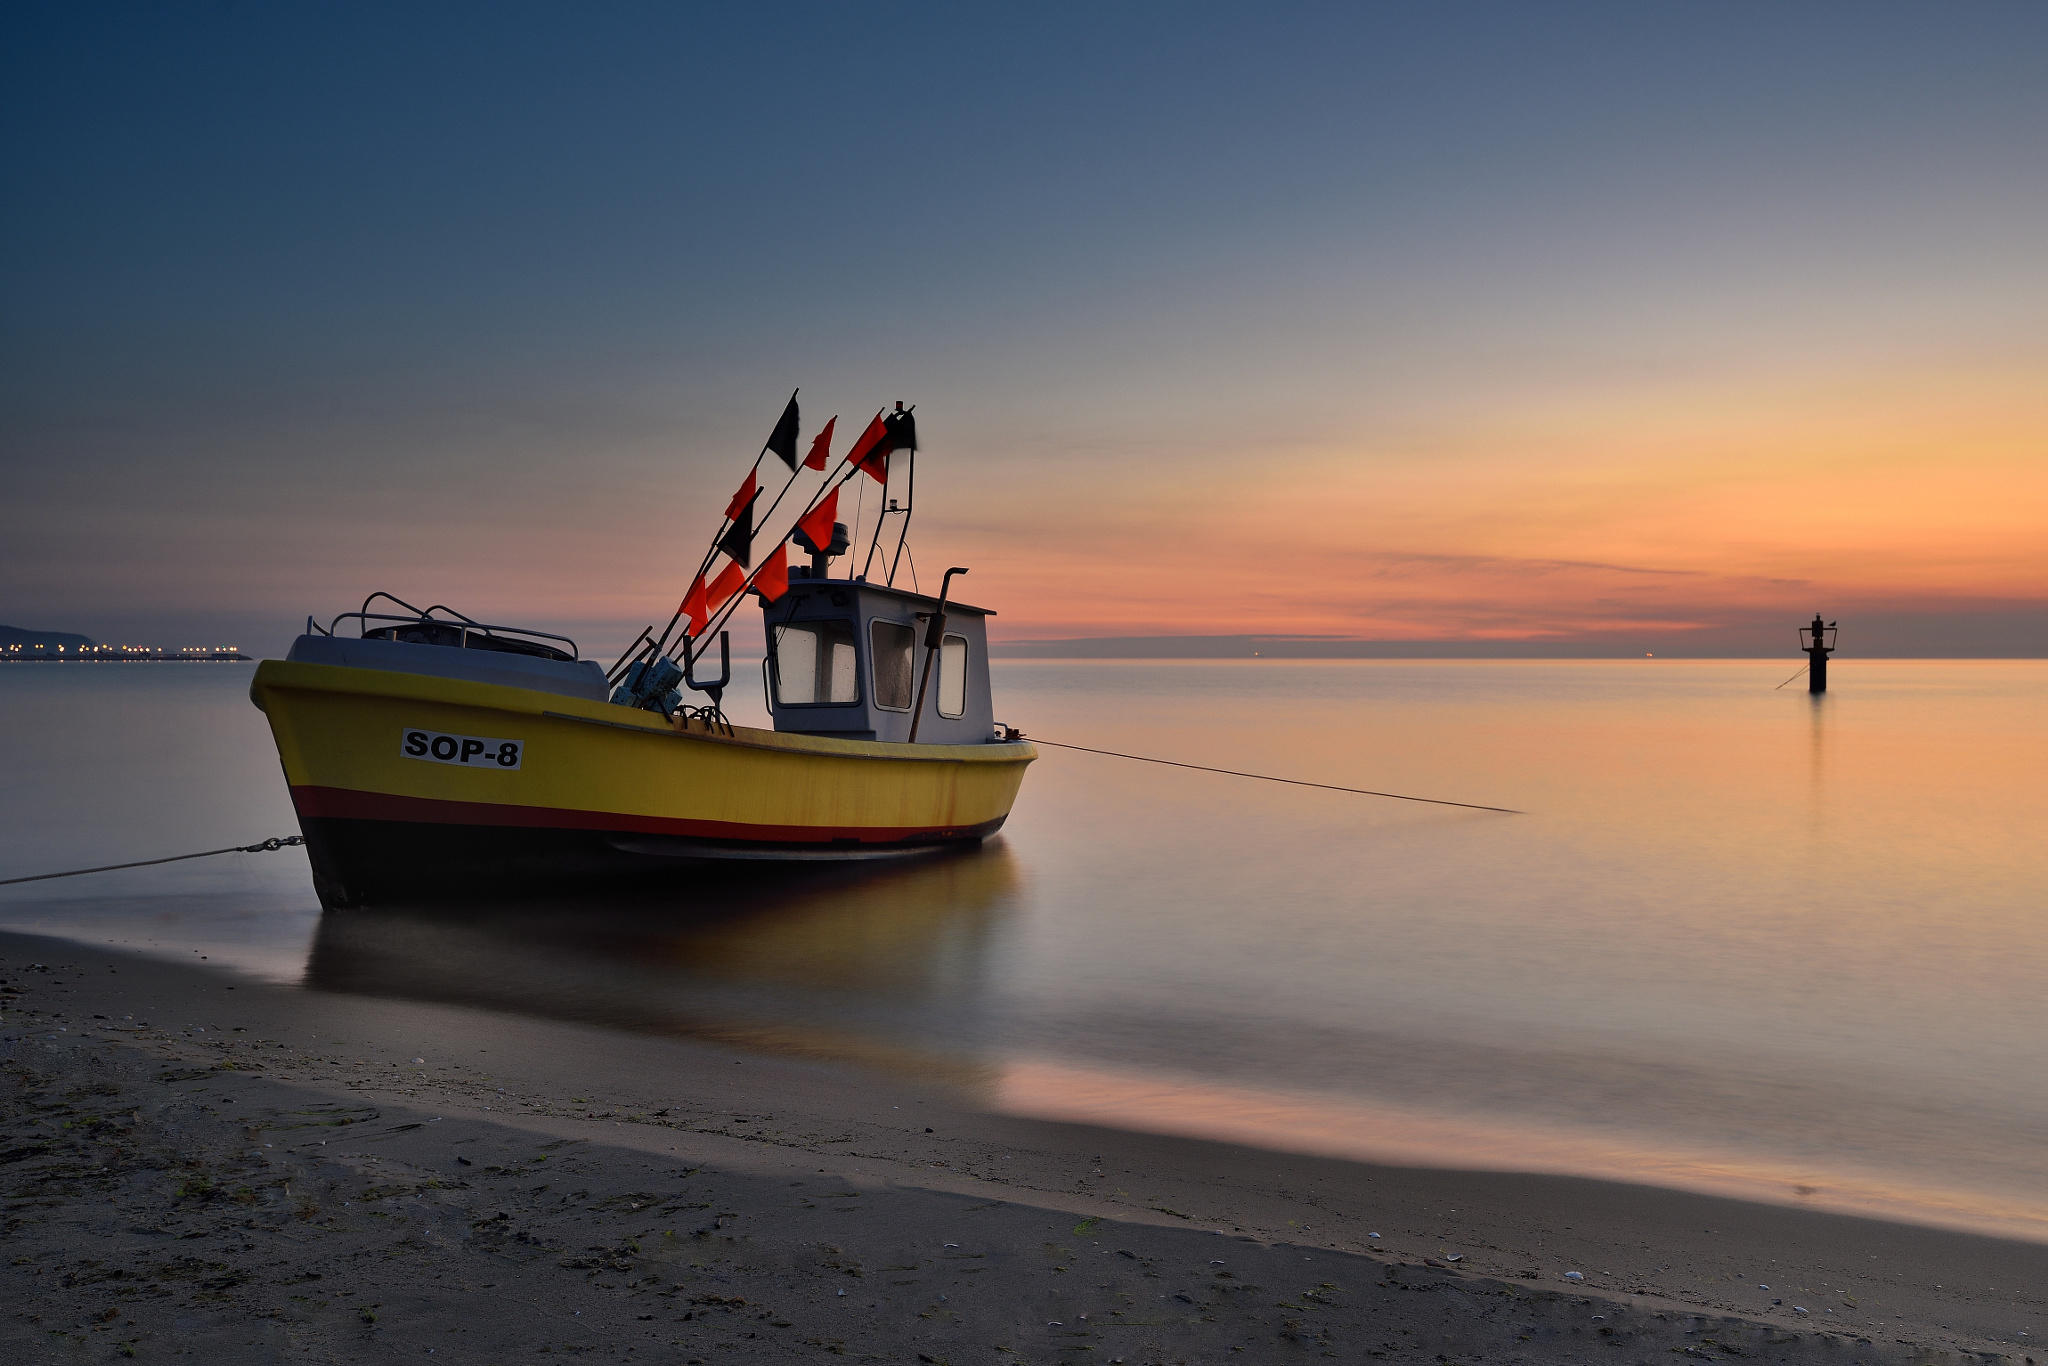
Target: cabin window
[(953, 676), (892, 644), (814, 664)]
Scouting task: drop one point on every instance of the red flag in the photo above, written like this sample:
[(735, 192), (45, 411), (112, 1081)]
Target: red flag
[(817, 523), (741, 499), (870, 454), (771, 580), (821, 446), (730, 580), (696, 607)]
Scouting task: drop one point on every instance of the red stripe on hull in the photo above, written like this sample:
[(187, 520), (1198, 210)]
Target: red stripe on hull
[(340, 803)]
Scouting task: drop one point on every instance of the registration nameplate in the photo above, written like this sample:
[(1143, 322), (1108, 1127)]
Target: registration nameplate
[(471, 751)]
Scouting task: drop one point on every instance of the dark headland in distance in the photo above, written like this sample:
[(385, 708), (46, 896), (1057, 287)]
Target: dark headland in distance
[(19, 645)]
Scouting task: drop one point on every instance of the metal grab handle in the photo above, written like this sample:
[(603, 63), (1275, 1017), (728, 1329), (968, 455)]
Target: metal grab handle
[(933, 635), (469, 623), (715, 687)]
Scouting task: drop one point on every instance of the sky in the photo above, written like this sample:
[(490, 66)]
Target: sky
[(1597, 327)]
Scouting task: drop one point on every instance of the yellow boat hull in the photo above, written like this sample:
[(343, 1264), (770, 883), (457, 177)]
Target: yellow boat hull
[(401, 779)]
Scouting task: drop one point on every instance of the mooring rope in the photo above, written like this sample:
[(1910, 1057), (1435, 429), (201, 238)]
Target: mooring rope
[(1795, 677), (263, 847), (1269, 778)]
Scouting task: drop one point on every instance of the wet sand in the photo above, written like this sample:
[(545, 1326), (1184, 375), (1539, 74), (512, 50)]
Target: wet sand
[(194, 1164)]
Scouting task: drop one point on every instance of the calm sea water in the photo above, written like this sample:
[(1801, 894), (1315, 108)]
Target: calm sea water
[(1743, 941)]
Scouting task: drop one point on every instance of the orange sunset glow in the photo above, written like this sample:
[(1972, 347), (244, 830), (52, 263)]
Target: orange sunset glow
[(1525, 372)]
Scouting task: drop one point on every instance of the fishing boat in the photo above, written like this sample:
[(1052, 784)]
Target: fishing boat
[(426, 750)]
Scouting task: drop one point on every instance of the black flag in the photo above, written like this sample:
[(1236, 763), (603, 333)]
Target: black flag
[(783, 439), (902, 429), (738, 540)]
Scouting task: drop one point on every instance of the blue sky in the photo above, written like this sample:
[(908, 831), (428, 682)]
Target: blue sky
[(495, 302)]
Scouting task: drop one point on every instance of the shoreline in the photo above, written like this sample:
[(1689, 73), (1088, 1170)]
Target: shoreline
[(1401, 1138), (220, 1065)]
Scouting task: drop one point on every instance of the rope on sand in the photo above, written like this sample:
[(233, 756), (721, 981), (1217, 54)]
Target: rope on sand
[(262, 847)]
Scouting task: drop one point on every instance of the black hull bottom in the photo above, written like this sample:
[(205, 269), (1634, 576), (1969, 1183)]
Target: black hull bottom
[(366, 862)]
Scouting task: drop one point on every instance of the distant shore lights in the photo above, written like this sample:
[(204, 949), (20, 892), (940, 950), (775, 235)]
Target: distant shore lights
[(33, 650)]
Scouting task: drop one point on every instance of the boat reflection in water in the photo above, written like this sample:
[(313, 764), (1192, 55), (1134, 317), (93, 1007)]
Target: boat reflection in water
[(864, 963)]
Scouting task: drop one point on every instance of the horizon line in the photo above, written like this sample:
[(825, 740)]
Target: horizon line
[(1348, 647)]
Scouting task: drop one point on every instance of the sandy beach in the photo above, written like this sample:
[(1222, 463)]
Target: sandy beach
[(200, 1165), (1139, 684)]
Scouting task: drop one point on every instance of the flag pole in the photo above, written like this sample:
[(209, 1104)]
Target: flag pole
[(896, 425), (881, 516), (786, 487), (725, 523), (730, 605), (909, 506), (831, 482)]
